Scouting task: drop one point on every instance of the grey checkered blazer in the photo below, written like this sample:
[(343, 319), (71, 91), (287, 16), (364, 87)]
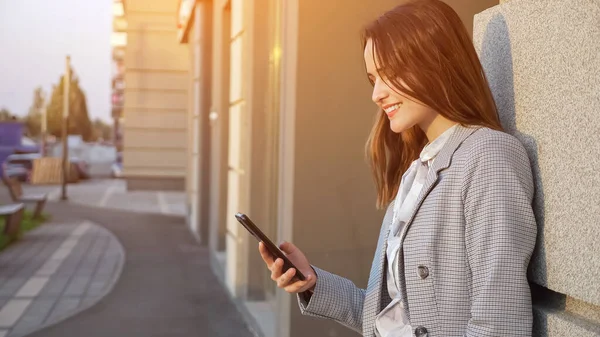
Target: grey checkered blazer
[(466, 248)]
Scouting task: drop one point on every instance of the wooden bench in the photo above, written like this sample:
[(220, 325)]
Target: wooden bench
[(16, 193), (13, 214)]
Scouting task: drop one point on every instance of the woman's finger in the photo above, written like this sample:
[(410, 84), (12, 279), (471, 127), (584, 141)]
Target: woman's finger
[(276, 269), (299, 286), (265, 254), (286, 278)]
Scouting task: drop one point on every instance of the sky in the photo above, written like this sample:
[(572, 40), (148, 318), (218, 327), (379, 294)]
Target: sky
[(36, 36)]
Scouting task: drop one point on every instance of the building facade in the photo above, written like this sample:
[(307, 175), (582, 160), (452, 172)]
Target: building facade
[(154, 98), (279, 112), (118, 43)]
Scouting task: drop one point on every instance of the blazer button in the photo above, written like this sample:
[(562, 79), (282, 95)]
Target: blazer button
[(423, 272), (421, 332)]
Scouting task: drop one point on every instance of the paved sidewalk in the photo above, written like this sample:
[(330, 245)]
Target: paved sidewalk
[(54, 272), (113, 194), (166, 287)]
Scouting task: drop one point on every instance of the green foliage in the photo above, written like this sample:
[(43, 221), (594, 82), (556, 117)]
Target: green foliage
[(33, 120), (28, 223), (79, 120)]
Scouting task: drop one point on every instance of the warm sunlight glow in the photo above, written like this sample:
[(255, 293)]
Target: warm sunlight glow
[(276, 54), (118, 39), (118, 8)]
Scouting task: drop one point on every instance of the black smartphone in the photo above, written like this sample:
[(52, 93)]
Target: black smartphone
[(272, 248)]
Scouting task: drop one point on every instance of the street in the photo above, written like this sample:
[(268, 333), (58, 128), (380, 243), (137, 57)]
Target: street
[(112, 263)]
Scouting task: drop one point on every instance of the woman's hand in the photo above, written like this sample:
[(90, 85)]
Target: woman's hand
[(286, 280)]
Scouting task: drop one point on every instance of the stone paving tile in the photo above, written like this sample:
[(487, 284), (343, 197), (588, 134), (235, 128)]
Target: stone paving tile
[(96, 288), (88, 300), (35, 316), (77, 286), (72, 262), (55, 286), (63, 307), (32, 287), (10, 287), (86, 273), (90, 262), (12, 311), (23, 259), (10, 267)]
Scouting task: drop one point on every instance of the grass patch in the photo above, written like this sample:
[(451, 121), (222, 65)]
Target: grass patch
[(4, 240), (28, 223)]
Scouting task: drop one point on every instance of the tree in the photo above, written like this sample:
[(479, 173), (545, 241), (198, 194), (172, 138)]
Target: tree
[(33, 120), (79, 120), (102, 130), (6, 115)]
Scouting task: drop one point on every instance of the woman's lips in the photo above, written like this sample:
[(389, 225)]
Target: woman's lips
[(392, 113)]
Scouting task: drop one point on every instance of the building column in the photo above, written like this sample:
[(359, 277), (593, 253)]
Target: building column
[(542, 66), (219, 130), (203, 45)]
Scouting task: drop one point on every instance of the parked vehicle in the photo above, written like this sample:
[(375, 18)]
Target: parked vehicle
[(83, 169)]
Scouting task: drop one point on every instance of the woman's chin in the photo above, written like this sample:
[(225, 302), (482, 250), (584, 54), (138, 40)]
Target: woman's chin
[(397, 128)]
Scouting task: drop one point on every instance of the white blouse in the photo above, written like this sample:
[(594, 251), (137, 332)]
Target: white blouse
[(393, 321)]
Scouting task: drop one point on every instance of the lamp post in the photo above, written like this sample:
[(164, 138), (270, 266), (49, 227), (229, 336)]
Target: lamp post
[(44, 114), (65, 131)]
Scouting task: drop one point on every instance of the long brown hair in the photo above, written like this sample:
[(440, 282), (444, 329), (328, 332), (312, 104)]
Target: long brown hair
[(425, 44)]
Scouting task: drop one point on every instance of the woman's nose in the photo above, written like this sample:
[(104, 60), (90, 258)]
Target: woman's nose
[(379, 92)]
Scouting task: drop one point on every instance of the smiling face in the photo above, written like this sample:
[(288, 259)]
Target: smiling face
[(402, 111)]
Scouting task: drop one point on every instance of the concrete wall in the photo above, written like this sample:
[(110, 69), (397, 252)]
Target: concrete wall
[(219, 124), (544, 70), (156, 97), (198, 39)]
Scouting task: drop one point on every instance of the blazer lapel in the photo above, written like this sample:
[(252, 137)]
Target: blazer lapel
[(442, 161), (376, 279)]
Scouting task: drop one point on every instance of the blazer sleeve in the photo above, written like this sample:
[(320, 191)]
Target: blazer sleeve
[(500, 236), (335, 298)]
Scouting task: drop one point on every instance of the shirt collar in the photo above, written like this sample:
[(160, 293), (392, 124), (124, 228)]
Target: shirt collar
[(432, 149)]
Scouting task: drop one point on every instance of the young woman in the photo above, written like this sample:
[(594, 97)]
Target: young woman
[(459, 231)]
